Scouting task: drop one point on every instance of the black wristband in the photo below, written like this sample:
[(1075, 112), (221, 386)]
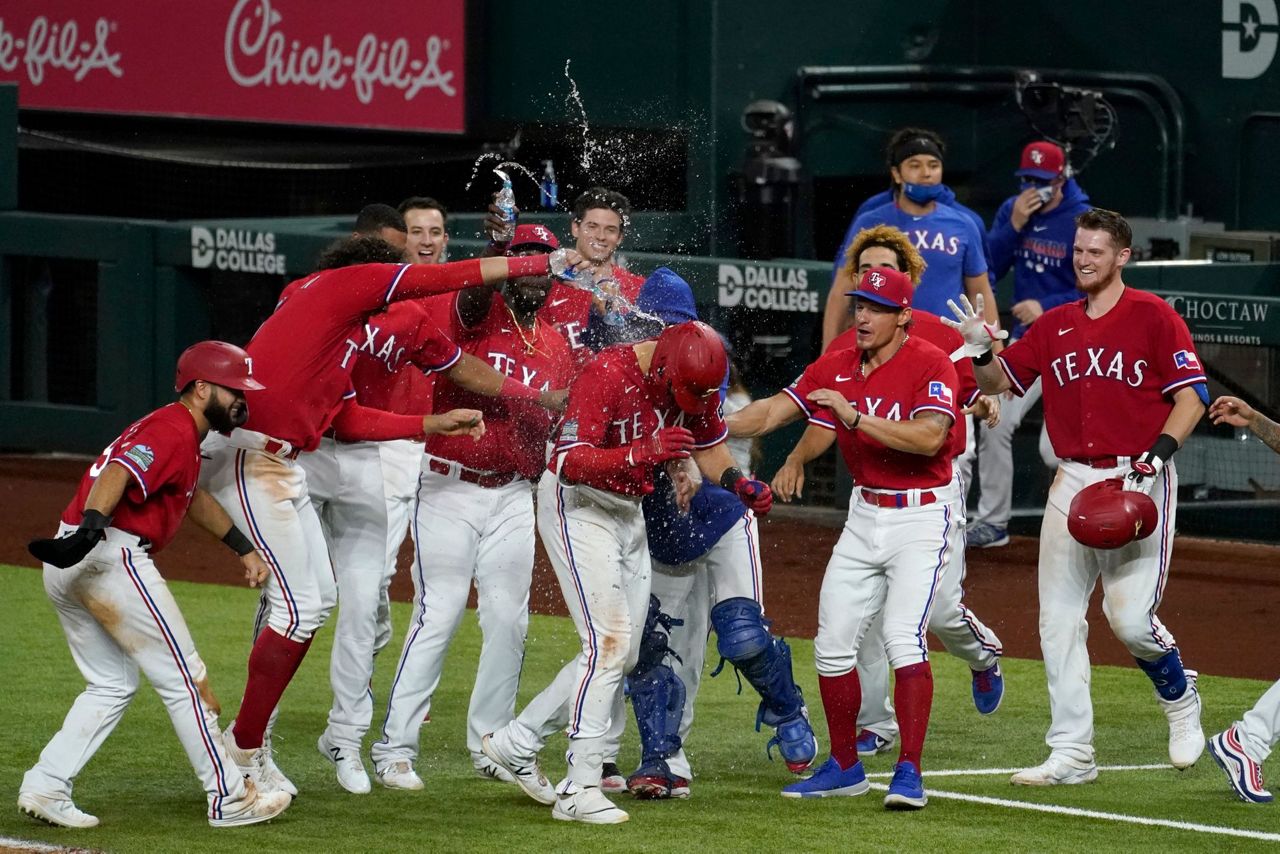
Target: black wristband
[(1165, 446), (92, 520), (984, 359), (238, 542), (730, 477)]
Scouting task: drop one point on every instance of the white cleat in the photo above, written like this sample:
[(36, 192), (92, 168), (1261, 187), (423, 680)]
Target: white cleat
[(588, 805), (490, 770), (1057, 770), (272, 776), (351, 773), (523, 769), (399, 775), (253, 808), (57, 811), (251, 762), (1186, 737)]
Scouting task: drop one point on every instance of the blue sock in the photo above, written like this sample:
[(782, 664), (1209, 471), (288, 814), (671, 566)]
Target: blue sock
[(1166, 674)]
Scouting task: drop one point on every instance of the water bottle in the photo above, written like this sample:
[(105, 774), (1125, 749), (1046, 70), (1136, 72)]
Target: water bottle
[(506, 202), (550, 189)]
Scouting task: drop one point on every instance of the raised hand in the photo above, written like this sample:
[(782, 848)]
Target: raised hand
[(972, 325)]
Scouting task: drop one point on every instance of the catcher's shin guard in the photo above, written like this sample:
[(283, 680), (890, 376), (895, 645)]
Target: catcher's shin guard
[(657, 694)]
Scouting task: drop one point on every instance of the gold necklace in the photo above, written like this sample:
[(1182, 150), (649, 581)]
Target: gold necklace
[(530, 342)]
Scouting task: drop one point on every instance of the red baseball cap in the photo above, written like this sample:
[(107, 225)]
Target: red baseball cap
[(886, 286), (1042, 160), (529, 236)]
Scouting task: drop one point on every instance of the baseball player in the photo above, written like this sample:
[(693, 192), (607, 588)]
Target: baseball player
[(384, 221), (892, 402), (959, 629), (475, 518), (117, 612), (706, 574), (600, 220), (1123, 388), (636, 407), (307, 350), (1032, 235), (1242, 748), (949, 236), (427, 224)]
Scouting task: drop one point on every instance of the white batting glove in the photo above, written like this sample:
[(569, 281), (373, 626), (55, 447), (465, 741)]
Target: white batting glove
[(1143, 472), (972, 325)]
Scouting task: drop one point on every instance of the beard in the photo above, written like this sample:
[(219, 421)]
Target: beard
[(224, 419), (524, 301)]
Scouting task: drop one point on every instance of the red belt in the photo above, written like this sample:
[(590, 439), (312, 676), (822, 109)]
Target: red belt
[(1096, 462), (488, 480), (276, 448), (897, 499)]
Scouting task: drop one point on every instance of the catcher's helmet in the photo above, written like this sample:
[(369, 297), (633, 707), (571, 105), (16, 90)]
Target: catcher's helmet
[(216, 362), (1104, 516), (690, 357)]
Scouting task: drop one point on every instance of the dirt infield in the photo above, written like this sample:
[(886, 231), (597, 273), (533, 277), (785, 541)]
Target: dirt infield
[(1222, 602)]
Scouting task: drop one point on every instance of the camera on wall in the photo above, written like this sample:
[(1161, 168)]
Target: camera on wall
[(769, 181), (1082, 121)]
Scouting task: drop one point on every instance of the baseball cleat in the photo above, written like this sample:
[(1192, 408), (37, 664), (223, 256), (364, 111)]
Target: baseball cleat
[(679, 788), (611, 779), (1186, 737), (347, 762), (870, 743), (56, 811), (524, 770), (988, 689), (651, 781), (253, 808), (984, 536), (831, 781), (906, 789), (588, 805), (271, 773), (490, 770), (1057, 770), (250, 761), (399, 775), (1242, 772)]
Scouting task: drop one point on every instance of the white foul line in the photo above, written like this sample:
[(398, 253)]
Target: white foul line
[(28, 845), (997, 772)]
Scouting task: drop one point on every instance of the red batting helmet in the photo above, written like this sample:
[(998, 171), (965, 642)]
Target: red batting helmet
[(690, 357), (1104, 516), (216, 362)]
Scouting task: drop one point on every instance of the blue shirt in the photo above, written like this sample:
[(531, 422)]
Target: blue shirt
[(949, 241), (947, 198)]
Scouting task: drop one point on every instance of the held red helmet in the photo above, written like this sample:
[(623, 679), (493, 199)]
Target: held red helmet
[(690, 358), (216, 362), (1104, 516)]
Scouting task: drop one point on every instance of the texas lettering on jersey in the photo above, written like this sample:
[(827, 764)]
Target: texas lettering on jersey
[(924, 238), (388, 352), (507, 365), (1100, 362)]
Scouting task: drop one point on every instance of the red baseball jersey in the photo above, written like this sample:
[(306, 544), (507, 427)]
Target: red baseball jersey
[(926, 325), (568, 309), (162, 453), (1108, 382), (398, 344), (610, 406), (918, 378), (516, 431)]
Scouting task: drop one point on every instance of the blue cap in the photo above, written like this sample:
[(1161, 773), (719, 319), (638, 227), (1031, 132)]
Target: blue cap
[(667, 296)]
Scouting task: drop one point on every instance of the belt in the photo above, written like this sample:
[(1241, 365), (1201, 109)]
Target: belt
[(1098, 462), (277, 448), (898, 499), (487, 480)]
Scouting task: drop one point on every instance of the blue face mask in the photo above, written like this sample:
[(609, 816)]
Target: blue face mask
[(922, 194)]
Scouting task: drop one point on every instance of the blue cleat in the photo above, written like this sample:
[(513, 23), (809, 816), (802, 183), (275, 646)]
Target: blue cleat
[(1243, 773), (871, 743), (831, 781), (906, 792), (986, 536), (988, 689)]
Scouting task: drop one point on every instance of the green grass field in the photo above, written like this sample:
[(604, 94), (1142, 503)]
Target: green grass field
[(147, 797)]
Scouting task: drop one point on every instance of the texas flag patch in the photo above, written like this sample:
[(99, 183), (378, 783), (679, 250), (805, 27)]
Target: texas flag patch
[(939, 391), (1186, 359)]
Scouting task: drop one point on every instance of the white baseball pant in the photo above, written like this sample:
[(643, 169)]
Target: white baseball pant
[(463, 532), (120, 619), (889, 562), (995, 458), (401, 462), (597, 546), (1133, 579), (1260, 728)]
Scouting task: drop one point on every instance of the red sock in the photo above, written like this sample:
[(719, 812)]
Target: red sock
[(841, 699), (272, 663), (913, 695)]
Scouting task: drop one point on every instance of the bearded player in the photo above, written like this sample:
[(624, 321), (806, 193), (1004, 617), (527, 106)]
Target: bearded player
[(637, 406), (1123, 389), (307, 351), (116, 610), (891, 402)]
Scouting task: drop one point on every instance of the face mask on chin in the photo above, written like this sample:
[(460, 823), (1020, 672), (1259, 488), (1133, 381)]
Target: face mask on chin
[(922, 194)]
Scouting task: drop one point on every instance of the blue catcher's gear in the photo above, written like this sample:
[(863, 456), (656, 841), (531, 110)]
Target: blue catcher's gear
[(657, 694), (743, 639)]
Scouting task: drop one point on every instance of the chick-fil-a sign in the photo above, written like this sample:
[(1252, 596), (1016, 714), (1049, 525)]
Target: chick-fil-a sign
[(320, 62)]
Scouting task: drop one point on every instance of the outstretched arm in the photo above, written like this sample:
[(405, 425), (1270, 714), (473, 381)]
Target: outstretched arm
[(1237, 413), (762, 417)]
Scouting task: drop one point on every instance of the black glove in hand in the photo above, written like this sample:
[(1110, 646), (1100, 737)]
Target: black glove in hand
[(68, 551)]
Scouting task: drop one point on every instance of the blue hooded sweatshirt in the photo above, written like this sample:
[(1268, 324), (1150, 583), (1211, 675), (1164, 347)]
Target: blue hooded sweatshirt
[(1040, 254)]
